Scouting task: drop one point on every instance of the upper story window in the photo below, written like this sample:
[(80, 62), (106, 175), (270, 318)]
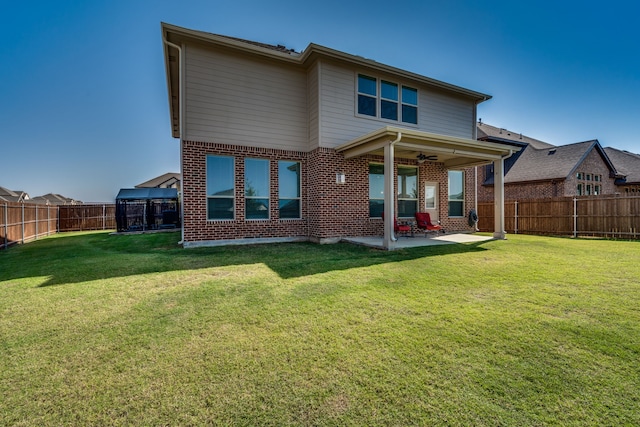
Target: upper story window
[(387, 100)]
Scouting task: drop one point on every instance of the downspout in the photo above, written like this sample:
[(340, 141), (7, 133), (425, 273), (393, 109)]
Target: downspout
[(389, 189), (180, 125)]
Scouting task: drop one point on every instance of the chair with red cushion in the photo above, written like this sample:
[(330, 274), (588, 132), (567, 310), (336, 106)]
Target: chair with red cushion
[(400, 229), (423, 222)]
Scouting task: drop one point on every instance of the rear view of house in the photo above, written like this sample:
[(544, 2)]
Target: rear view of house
[(279, 145)]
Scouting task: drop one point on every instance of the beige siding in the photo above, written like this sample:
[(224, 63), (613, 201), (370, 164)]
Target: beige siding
[(313, 77), (437, 112), (231, 99)]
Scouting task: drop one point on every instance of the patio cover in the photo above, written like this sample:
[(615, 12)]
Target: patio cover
[(455, 153), (147, 193)]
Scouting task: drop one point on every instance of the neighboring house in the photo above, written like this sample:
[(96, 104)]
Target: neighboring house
[(7, 195), (278, 145), (628, 165), (542, 170), (54, 200), (167, 180)]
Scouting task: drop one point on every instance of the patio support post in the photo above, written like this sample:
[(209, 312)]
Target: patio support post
[(389, 191), (498, 186)]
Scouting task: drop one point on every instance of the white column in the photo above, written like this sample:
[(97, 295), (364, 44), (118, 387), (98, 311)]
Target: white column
[(389, 191), (498, 190)]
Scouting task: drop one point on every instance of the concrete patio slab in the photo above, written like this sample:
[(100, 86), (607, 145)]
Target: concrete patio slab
[(417, 241)]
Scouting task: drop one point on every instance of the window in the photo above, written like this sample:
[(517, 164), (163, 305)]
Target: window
[(596, 190), (385, 100), (589, 177), (580, 190), (389, 100), (456, 193), (256, 188), (407, 191), (579, 175), (409, 105), (220, 187), (367, 95), (588, 189), (597, 178), (376, 190), (289, 189)]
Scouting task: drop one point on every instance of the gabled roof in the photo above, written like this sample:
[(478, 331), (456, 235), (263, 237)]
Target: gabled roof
[(161, 181), (626, 163), (174, 36), (12, 196), (554, 162), (491, 133), (54, 199)]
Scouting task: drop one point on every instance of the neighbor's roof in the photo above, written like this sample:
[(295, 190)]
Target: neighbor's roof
[(54, 199), (177, 35), (626, 163), (491, 133), (169, 177), (147, 193), (553, 163)]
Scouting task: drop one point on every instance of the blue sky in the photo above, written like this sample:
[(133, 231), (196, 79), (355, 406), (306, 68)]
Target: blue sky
[(83, 97)]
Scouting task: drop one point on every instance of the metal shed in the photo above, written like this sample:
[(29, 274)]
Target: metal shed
[(141, 209)]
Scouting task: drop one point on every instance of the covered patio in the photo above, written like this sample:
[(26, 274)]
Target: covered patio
[(392, 142)]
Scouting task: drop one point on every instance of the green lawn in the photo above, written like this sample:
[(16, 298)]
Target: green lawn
[(134, 330)]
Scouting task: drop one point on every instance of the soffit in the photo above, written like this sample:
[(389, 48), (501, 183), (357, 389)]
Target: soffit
[(453, 152)]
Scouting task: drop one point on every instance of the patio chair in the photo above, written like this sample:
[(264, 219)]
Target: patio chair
[(400, 229), (423, 222)]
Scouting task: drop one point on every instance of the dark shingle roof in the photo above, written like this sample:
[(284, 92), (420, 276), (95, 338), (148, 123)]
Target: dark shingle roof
[(626, 163), (488, 132), (552, 163)]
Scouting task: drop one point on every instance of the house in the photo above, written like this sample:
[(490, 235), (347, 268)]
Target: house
[(54, 200), (278, 145), (167, 180), (628, 166), (542, 170), (7, 195)]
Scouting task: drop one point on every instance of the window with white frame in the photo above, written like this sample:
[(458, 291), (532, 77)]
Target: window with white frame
[(407, 191), (376, 190), (289, 199), (220, 187), (456, 193), (386, 100), (256, 188)]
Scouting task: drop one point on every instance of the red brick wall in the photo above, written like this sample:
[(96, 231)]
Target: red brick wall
[(329, 210)]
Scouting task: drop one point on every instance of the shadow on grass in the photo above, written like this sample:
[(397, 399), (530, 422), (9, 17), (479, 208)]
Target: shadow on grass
[(74, 258)]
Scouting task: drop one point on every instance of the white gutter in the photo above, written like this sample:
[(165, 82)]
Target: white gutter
[(180, 125)]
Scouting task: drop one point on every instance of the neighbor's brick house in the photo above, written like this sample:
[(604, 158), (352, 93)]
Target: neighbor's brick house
[(278, 145), (542, 170)]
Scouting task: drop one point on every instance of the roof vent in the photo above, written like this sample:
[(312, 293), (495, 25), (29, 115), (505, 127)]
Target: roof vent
[(552, 152)]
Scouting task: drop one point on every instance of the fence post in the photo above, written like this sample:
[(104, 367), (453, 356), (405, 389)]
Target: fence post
[(36, 222), (48, 220), (22, 222), (6, 225), (515, 231), (575, 217), (104, 217)]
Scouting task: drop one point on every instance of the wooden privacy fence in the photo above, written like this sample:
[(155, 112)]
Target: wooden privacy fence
[(24, 222), (614, 217), (87, 217)]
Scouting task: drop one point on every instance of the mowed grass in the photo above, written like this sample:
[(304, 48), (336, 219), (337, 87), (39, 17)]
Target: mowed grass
[(98, 329)]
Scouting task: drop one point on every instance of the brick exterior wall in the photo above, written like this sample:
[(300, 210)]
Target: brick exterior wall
[(593, 164), (329, 210)]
